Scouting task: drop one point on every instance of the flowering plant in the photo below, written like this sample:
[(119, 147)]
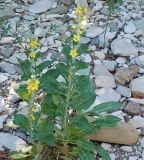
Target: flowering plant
[(57, 124)]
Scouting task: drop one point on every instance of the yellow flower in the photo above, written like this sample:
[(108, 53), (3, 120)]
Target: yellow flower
[(76, 38), (82, 27), (73, 53), (32, 55), (33, 117), (78, 10), (33, 43), (32, 85), (73, 26), (81, 31), (33, 109)]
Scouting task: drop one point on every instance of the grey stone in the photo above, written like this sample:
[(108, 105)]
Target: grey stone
[(129, 28), (67, 2), (29, 17), (2, 120), (123, 47), (113, 26), (7, 52), (40, 32), (81, 2), (11, 142), (2, 104), (7, 11), (112, 156), (143, 154), (101, 70), (59, 10), (139, 23), (104, 11), (13, 59), (3, 77), (137, 87), (126, 148), (110, 65), (13, 23), (84, 40), (106, 95), (124, 91), (95, 41), (6, 67), (121, 60), (138, 61), (40, 6), (6, 40), (94, 31), (105, 81)]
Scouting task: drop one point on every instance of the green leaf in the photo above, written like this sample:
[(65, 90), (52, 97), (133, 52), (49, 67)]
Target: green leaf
[(18, 156), (26, 69), (66, 51), (106, 107), (22, 92), (106, 121), (82, 49), (48, 107), (45, 133), (84, 154), (81, 122), (22, 122), (102, 152), (42, 66), (83, 93), (62, 69), (80, 65), (86, 145)]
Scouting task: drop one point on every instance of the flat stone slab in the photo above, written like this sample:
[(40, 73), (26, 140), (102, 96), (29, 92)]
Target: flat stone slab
[(124, 133)]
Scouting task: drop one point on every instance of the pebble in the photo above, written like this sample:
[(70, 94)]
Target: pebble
[(133, 158), (137, 87), (112, 156), (3, 77), (6, 67), (106, 146), (11, 142), (107, 95), (130, 28), (40, 6), (126, 148), (121, 60), (122, 47), (40, 32), (6, 40), (94, 31), (2, 104), (124, 91), (2, 120)]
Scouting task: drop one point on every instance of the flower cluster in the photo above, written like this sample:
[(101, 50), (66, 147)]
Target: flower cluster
[(78, 27), (33, 44), (32, 86), (80, 24)]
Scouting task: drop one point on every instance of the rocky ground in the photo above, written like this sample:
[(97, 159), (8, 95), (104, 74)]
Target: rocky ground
[(117, 65)]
